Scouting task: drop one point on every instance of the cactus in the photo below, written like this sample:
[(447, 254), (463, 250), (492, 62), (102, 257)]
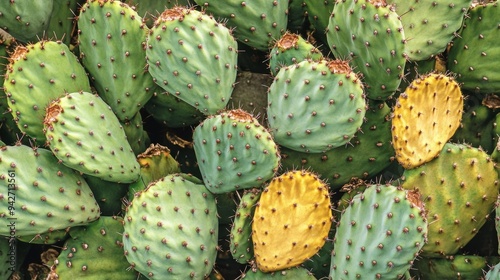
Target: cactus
[(369, 34), (291, 220), (241, 16), (94, 252), (189, 51), (493, 273), (26, 20), (150, 9), (38, 194), (171, 229), (50, 237), (290, 273), (451, 267), (379, 234), (109, 195), (369, 151), (315, 106), (474, 52), (459, 188), (291, 49), (33, 80), (429, 33), (137, 137), (63, 20), (110, 35), (240, 236), (85, 135), (318, 13), (234, 152), (420, 128)]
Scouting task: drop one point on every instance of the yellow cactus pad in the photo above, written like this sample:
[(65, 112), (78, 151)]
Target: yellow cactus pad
[(425, 117), (291, 220)]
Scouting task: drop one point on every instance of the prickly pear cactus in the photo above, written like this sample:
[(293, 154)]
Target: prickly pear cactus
[(315, 106), (425, 117), (94, 252), (85, 134), (371, 35), (189, 52), (50, 237), (36, 75), (428, 32), (493, 273), (474, 52), (25, 19), (171, 229), (241, 16), (234, 151), (379, 234), (450, 267), (240, 236), (112, 42), (38, 194), (459, 188), (369, 151), (290, 273), (291, 220), (291, 49)]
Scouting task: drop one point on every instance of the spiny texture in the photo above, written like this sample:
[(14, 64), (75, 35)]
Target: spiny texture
[(379, 234), (459, 188), (36, 75), (493, 273), (149, 10), (112, 41), (234, 151), (318, 13), (370, 34), (427, 31), (171, 229), (240, 236), (451, 267), (256, 23), (50, 237), (315, 106), (368, 152), (291, 221), (474, 54), (94, 252), (291, 49), (109, 195), (41, 195), (291, 273), (137, 136), (25, 19), (190, 52), (85, 134), (425, 117), (62, 20)]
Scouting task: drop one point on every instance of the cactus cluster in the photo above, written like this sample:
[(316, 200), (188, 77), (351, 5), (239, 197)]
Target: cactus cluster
[(209, 139)]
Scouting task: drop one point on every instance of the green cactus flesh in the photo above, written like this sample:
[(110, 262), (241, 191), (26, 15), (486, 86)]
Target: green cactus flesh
[(85, 134), (111, 34), (451, 267), (26, 20), (493, 273), (234, 151), (171, 229), (290, 273), (371, 35), (459, 189), (41, 195), (379, 234), (194, 58), (33, 79), (315, 106), (95, 252)]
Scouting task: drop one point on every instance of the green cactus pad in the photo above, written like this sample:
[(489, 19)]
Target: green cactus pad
[(451, 267), (315, 106), (240, 236), (291, 221), (26, 20), (112, 41), (234, 151), (294, 273), (459, 189), (36, 75), (256, 23), (38, 194), (194, 58), (85, 134), (379, 234), (369, 34), (94, 252), (493, 273), (474, 53), (427, 31), (171, 229)]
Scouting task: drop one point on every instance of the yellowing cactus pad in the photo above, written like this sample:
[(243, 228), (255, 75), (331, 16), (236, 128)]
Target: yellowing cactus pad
[(291, 220), (425, 117)]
